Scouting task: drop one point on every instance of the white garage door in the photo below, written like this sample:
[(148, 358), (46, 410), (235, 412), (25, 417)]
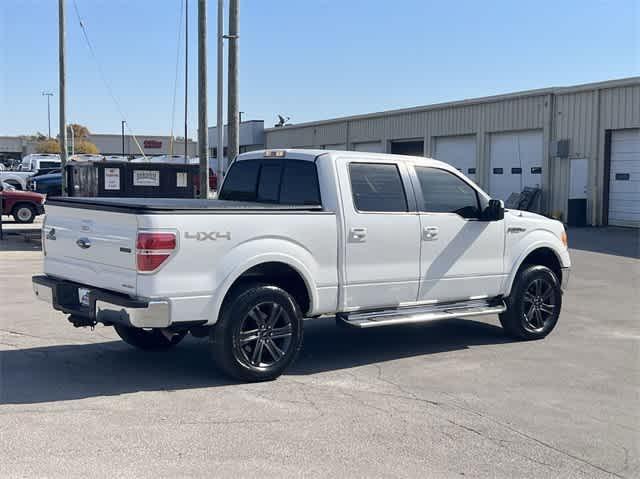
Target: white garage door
[(624, 180), (516, 162), (458, 151), (370, 146)]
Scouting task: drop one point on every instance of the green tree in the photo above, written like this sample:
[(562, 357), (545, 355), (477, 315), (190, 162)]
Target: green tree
[(79, 131), (85, 146), (48, 146)]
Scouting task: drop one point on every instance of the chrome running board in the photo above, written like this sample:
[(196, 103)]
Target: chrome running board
[(423, 314)]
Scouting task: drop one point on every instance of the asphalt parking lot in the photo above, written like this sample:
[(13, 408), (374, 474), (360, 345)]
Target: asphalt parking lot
[(448, 399)]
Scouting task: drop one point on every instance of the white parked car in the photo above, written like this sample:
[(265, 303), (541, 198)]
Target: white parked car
[(29, 166), (38, 162), (368, 239)]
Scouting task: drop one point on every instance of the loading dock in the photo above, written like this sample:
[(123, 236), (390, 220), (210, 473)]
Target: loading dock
[(516, 162), (408, 147), (624, 178)]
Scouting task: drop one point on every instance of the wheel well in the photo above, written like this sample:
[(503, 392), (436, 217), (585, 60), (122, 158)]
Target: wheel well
[(544, 257), (14, 183), (22, 203), (277, 274)]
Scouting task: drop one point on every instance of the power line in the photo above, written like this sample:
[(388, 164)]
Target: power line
[(103, 76)]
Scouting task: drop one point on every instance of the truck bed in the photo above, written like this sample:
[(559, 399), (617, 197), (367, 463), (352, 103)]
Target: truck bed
[(146, 206)]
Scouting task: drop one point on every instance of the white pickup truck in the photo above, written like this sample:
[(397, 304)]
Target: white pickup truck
[(367, 239)]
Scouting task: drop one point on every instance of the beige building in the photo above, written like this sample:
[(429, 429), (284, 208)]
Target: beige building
[(579, 142), (151, 145), (108, 144)]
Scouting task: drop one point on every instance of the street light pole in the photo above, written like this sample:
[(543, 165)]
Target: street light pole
[(203, 150), (233, 121), (48, 94), (63, 94), (186, 71)]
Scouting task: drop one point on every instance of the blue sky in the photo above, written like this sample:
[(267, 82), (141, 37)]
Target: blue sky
[(308, 59)]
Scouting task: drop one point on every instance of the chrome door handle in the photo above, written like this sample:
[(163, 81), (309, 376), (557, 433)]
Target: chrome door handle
[(358, 235), (84, 243), (430, 233)]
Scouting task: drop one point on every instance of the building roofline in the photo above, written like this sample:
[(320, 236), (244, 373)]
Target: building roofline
[(129, 135), (241, 123), (630, 81)]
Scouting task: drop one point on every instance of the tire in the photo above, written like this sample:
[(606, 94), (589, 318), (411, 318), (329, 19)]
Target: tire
[(534, 305), (148, 339), (24, 213), (258, 334)]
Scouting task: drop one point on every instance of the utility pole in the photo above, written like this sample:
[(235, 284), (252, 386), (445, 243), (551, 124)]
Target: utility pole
[(63, 94), (233, 120), (220, 93), (122, 126), (186, 71), (203, 134), (48, 94)]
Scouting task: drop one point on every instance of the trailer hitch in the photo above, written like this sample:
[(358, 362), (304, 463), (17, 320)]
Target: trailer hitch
[(81, 321)]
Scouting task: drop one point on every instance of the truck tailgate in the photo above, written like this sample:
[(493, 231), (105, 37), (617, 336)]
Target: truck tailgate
[(96, 248)]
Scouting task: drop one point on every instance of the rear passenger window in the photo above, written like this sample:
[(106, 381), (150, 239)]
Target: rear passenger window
[(444, 192), (377, 187), (241, 181), (300, 184), (290, 182)]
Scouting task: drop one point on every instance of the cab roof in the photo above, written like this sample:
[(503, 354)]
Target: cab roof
[(313, 154)]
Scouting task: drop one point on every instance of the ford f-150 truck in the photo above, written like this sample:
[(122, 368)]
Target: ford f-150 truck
[(367, 239)]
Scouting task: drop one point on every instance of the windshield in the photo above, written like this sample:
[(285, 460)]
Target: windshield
[(44, 165)]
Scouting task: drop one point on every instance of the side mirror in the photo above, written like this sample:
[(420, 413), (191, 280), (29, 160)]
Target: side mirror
[(494, 211)]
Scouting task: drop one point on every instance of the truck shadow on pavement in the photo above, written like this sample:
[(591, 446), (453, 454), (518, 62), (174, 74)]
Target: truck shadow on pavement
[(78, 371)]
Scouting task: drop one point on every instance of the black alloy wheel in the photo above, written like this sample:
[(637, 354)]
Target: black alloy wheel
[(539, 304), (258, 334), (264, 335), (533, 307)]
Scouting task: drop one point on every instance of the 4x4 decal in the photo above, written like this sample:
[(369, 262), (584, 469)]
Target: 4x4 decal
[(210, 235)]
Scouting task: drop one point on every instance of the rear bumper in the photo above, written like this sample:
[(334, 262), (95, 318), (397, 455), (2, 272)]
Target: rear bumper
[(103, 306)]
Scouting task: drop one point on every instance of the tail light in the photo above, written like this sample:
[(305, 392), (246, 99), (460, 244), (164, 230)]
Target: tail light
[(153, 249)]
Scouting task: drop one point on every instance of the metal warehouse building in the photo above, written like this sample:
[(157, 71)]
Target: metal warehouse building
[(578, 142)]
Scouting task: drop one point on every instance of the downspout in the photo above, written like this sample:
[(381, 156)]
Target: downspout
[(547, 199), (594, 195)]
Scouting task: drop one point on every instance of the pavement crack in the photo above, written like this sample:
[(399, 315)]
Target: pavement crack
[(402, 389)]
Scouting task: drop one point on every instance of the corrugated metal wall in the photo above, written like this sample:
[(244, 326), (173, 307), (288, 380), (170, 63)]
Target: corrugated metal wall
[(580, 115)]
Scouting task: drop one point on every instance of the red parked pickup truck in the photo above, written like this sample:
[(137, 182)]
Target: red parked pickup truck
[(24, 206)]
